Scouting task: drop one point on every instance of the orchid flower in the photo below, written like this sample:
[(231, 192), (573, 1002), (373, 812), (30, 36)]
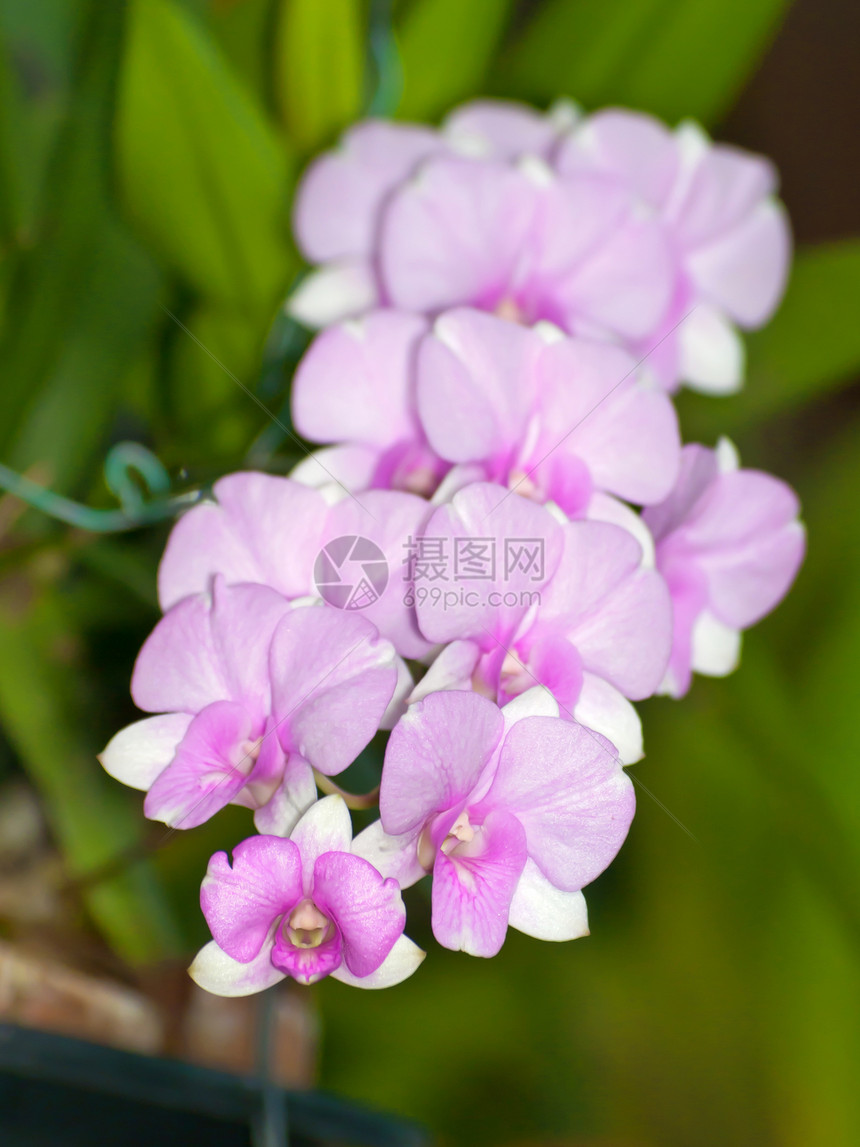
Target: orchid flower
[(586, 618), (729, 545), (252, 694), (513, 811), (306, 907)]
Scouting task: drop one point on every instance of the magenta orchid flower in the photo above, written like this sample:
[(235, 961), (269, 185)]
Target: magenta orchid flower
[(306, 907), (270, 530), (571, 606), (557, 418), (513, 810), (729, 544), (730, 233), (252, 694)]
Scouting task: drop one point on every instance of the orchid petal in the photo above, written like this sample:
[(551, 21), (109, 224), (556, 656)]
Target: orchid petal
[(139, 752), (435, 757), (400, 963), (541, 910), (241, 902), (474, 885), (366, 907), (221, 975), (566, 786)]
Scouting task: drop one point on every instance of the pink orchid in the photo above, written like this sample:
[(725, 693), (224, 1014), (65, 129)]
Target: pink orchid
[(271, 530), (373, 159), (570, 606), (729, 545), (306, 907), (513, 810), (252, 694), (728, 229), (555, 417)]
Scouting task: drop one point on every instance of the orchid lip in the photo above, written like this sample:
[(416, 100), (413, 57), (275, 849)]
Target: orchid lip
[(307, 927)]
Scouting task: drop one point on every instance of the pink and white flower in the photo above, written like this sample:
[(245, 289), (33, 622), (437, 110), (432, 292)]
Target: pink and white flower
[(729, 232), (513, 810), (729, 544), (557, 418), (306, 907), (270, 530), (570, 606), (252, 694)]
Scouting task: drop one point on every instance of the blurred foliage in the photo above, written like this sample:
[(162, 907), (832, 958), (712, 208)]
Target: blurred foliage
[(147, 155)]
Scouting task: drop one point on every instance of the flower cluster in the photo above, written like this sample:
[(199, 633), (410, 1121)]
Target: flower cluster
[(500, 545)]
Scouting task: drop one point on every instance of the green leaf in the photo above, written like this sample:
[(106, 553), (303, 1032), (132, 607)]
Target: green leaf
[(71, 412), (92, 821), (319, 68), (446, 47), (201, 170), (675, 58)]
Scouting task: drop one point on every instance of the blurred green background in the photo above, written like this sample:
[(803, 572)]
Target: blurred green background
[(147, 155)]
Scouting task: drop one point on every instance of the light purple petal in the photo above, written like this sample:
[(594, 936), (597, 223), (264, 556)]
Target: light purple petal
[(241, 903), (474, 885), (615, 612), (699, 467), (627, 282), (481, 367), (340, 195), (595, 405), (453, 235), (725, 189), (332, 679), (262, 529), (435, 757), (527, 543), (635, 146), (390, 519), (541, 910), (745, 272), (367, 908), (211, 766), (501, 129), (221, 975), (210, 649), (749, 544), (355, 382), (403, 959), (567, 788), (139, 752)]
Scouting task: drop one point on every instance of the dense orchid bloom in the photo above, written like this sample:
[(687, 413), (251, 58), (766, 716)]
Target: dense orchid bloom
[(304, 907), (568, 605), (427, 228), (372, 160), (555, 417), (252, 693), (513, 810), (729, 544), (728, 229), (271, 530)]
